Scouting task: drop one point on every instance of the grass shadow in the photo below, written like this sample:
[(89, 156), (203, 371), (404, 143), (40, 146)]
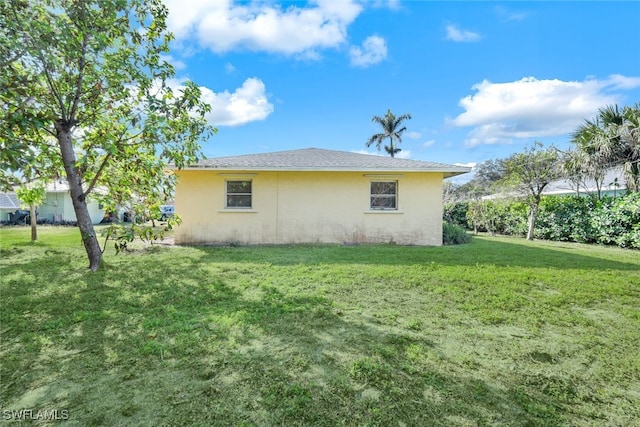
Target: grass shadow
[(501, 252), (322, 334), (196, 340)]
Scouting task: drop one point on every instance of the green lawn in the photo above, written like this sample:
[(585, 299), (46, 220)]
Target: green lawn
[(497, 332)]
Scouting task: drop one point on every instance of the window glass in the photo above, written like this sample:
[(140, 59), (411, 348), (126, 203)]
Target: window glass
[(239, 194), (384, 195)]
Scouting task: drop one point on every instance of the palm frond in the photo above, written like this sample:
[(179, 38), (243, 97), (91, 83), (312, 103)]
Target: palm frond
[(378, 138), (612, 137)]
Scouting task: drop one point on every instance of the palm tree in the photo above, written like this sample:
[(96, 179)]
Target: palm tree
[(629, 133), (612, 138), (390, 129)]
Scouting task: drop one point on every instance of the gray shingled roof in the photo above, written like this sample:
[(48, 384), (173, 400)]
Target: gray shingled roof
[(312, 159), (612, 175), (9, 201)]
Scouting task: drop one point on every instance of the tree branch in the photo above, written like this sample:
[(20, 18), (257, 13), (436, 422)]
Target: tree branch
[(81, 66), (97, 175), (52, 87)]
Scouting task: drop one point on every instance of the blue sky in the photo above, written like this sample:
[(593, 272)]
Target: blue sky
[(480, 79)]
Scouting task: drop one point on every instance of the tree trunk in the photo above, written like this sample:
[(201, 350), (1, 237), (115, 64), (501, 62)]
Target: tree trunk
[(533, 212), (89, 238), (633, 181), (34, 223)]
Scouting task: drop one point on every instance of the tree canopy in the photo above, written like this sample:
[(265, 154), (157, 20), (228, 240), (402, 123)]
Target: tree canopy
[(612, 138), (85, 86), (529, 173)]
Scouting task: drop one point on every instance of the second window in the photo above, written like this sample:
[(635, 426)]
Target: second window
[(384, 195)]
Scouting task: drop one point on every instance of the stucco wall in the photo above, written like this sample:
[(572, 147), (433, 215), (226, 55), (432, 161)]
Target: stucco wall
[(4, 214), (308, 207), (58, 206)]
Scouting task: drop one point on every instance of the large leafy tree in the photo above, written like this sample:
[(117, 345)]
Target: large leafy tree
[(529, 172), (392, 130), (611, 138), (85, 82)]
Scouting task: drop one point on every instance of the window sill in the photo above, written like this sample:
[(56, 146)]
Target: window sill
[(237, 210), (384, 211)]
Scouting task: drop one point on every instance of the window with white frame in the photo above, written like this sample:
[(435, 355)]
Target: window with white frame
[(384, 195), (239, 194)]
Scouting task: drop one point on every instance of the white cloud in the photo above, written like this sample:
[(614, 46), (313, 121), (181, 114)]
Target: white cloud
[(374, 50), (404, 154), (391, 4), (459, 35), (246, 104), (532, 108), (177, 64), (229, 68), (467, 165), (262, 26), (621, 82), (509, 15), (365, 152), (413, 135), (428, 143)]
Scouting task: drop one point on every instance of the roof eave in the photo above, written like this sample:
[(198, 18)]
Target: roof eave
[(447, 171), (452, 173)]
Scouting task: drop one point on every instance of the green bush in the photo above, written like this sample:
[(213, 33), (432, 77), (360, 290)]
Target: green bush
[(498, 216), (565, 218), (516, 219), (481, 215), (453, 234), (617, 221), (608, 221), (456, 213)]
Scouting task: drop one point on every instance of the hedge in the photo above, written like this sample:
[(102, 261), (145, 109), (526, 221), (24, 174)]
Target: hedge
[(609, 221)]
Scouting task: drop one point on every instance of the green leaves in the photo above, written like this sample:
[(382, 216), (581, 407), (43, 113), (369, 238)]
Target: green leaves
[(31, 195), (610, 221), (611, 139), (125, 234), (532, 170), (89, 73)]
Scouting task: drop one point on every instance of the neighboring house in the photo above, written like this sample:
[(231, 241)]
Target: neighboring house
[(9, 203), (311, 195), (614, 184), (57, 206)]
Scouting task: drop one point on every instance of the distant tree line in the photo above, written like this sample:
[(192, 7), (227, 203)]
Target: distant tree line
[(516, 185)]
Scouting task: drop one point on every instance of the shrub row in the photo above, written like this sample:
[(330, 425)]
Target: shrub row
[(610, 221)]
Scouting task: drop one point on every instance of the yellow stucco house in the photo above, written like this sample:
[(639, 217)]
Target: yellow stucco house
[(311, 196)]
